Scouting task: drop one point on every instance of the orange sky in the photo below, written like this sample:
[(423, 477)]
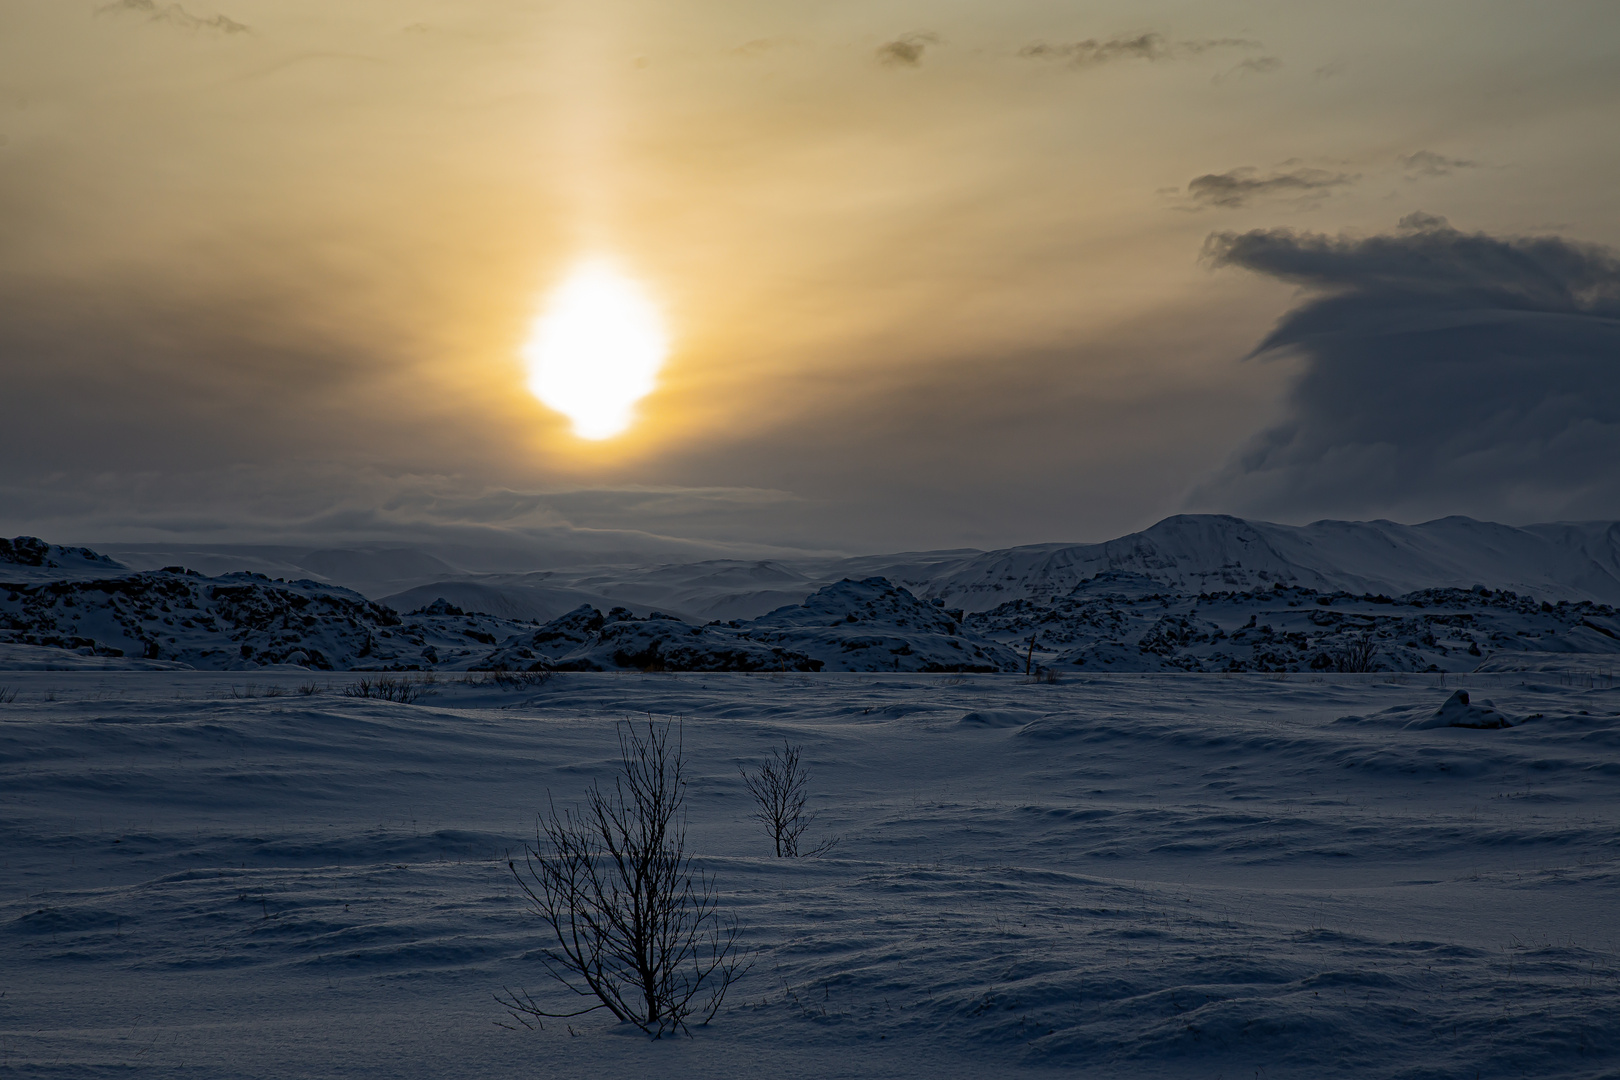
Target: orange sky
[(931, 272)]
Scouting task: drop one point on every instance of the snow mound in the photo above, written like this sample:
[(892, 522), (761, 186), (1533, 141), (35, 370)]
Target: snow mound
[(998, 718), (875, 625), (1458, 711)]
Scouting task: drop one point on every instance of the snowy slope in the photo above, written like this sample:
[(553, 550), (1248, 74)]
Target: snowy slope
[(1172, 876), (526, 598), (696, 592), (1207, 553), (373, 570)]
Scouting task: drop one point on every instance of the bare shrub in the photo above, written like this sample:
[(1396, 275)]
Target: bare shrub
[(404, 690), (1358, 655), (517, 680), (507, 679), (309, 689), (7, 695), (780, 787), (634, 923)]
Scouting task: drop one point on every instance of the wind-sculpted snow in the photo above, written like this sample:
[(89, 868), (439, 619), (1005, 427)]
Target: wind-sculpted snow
[(1170, 875), (1129, 622)]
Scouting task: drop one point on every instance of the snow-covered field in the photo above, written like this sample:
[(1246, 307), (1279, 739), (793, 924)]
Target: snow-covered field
[(213, 874)]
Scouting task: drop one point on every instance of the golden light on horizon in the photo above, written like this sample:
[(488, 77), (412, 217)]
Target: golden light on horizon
[(596, 349)]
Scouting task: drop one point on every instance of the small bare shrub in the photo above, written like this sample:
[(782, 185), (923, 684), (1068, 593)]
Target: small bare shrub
[(518, 680), (1358, 655), (634, 923), (404, 690), (780, 787), (7, 695), (506, 679), (309, 689)]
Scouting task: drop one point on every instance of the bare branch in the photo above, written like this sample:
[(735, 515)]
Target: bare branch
[(635, 924), (780, 787)]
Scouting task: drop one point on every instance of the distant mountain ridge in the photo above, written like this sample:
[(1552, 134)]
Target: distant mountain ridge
[(1210, 552), (1571, 561), (1192, 593)]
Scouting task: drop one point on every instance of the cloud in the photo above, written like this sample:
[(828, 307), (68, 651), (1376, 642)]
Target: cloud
[(1237, 187), (1442, 371), (176, 15), (906, 50), (1424, 163), (1150, 46), (1258, 65)]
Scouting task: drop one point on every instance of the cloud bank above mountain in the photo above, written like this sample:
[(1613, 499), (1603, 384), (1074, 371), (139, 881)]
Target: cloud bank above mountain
[(1443, 372), (931, 275)]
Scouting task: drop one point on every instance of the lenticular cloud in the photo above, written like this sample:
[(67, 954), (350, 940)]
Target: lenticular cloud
[(1450, 371)]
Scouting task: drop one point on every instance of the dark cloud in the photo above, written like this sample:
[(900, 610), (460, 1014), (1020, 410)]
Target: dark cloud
[(1443, 372), (1150, 46), (1424, 163), (1259, 65), (176, 15), (906, 50), (1238, 186)]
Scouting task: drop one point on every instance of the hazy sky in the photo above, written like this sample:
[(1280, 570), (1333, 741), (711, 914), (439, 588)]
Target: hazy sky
[(935, 275)]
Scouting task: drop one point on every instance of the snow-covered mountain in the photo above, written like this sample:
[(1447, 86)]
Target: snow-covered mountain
[(1193, 553), (1194, 592), (1189, 553)]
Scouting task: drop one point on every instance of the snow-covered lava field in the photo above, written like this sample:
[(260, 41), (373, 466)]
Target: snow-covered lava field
[(215, 874)]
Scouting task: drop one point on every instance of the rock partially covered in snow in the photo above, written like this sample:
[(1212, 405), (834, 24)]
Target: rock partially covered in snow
[(873, 625), (1458, 711), (232, 622), (586, 640), (28, 558)]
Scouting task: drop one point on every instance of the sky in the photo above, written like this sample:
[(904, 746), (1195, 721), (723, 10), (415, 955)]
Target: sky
[(933, 275)]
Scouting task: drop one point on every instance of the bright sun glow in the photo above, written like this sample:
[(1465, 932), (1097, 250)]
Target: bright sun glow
[(596, 349)]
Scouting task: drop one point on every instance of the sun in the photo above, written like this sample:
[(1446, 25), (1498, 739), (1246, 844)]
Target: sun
[(596, 349)]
